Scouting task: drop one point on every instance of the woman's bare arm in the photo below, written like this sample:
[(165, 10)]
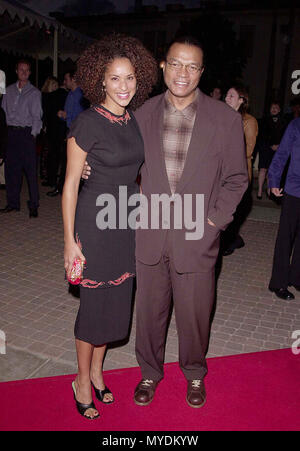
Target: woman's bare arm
[(76, 159)]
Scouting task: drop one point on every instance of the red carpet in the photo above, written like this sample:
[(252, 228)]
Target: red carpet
[(258, 391)]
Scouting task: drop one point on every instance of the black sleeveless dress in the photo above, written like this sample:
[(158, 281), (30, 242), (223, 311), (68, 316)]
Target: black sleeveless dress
[(115, 154)]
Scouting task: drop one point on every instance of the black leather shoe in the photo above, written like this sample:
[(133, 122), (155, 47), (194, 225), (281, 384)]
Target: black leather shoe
[(283, 293), (228, 252), (237, 244), (33, 212), (53, 193), (8, 209)]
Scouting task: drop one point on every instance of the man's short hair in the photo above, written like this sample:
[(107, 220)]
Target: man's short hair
[(71, 73), (23, 61), (275, 102), (188, 40)]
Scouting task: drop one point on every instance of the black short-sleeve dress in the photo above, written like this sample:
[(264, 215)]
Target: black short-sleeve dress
[(115, 154)]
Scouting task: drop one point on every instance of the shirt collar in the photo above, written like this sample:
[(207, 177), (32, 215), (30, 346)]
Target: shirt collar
[(76, 91), (188, 112), (28, 84)]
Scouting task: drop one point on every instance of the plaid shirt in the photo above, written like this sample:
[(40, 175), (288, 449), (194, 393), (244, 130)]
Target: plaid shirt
[(177, 132)]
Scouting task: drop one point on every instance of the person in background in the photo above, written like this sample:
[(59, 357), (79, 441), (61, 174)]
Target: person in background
[(216, 93), (270, 134), (55, 131), (286, 270), (23, 109), (237, 98), (3, 131), (50, 85), (74, 104), (294, 110)]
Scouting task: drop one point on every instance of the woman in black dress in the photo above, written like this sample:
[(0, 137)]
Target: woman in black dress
[(271, 131), (113, 73), (50, 86)]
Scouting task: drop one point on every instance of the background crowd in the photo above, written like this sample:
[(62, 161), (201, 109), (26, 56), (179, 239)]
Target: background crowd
[(61, 101), (34, 126)]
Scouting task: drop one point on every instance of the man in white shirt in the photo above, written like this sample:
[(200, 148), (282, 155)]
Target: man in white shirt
[(23, 109)]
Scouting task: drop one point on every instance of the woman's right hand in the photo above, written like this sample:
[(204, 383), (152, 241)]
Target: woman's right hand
[(71, 252)]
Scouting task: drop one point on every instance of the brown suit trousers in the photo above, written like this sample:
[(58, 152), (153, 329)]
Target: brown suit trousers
[(156, 286)]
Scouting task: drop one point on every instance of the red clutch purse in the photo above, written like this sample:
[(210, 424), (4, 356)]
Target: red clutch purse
[(76, 273), (75, 276)]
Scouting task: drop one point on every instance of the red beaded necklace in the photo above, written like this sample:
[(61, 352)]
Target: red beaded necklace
[(112, 117)]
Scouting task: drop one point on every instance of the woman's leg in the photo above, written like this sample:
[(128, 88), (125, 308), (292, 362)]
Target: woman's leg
[(268, 189), (261, 179), (82, 381), (96, 374)]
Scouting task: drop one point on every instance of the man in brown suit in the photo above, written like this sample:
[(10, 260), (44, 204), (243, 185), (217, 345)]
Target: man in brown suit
[(193, 145)]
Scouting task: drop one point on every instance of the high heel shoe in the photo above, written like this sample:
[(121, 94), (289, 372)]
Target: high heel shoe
[(258, 197), (101, 393), (82, 408)]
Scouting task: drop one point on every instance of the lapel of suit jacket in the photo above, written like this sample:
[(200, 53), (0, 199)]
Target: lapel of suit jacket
[(202, 134)]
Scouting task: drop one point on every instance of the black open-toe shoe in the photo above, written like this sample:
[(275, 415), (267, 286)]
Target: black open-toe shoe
[(101, 393), (82, 408)]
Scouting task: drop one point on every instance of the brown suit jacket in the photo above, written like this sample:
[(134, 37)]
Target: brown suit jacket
[(215, 166)]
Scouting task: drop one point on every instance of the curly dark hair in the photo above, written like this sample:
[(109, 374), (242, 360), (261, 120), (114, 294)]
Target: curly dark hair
[(92, 64)]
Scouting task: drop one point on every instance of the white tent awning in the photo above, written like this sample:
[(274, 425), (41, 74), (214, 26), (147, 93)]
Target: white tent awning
[(23, 31)]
